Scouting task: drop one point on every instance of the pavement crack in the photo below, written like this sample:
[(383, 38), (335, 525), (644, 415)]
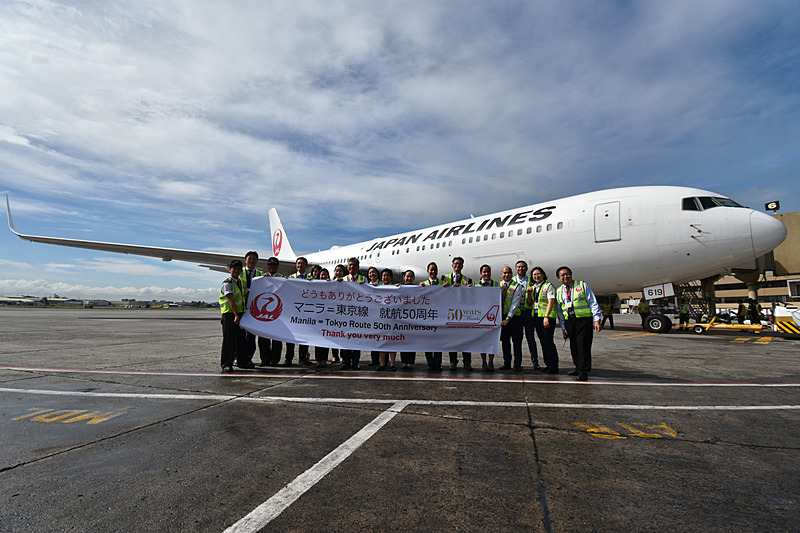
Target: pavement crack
[(539, 474)]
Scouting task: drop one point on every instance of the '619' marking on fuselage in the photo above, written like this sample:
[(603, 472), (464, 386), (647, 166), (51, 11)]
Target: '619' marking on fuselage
[(67, 416)]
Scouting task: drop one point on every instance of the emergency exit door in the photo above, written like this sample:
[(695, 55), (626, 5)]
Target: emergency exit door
[(606, 222)]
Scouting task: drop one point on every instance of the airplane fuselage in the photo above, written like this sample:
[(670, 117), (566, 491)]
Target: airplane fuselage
[(617, 240)]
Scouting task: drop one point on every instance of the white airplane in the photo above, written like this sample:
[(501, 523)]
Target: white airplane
[(617, 240)]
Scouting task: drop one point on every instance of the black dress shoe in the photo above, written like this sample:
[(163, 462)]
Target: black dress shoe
[(536, 366), (540, 368), (505, 367), (583, 377), (517, 369), (248, 366), (453, 366), (227, 369), (573, 372), (468, 368), (288, 363), (346, 366), (356, 367)]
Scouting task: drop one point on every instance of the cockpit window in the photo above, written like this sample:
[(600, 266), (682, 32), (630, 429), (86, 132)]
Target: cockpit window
[(726, 202), (689, 204), (707, 202)]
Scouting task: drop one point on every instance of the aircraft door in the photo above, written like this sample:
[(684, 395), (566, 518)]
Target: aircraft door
[(606, 222)]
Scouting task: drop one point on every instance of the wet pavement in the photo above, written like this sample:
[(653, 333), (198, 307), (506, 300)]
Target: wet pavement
[(117, 419)]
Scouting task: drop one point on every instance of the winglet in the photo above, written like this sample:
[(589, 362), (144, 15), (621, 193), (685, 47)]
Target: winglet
[(280, 242), (10, 223)]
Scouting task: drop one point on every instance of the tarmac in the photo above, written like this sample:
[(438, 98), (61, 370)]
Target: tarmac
[(113, 419)]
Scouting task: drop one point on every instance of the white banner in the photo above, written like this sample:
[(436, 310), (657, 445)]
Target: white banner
[(355, 316)]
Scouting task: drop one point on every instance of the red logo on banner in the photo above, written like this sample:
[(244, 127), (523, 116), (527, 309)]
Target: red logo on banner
[(277, 240), (266, 307)]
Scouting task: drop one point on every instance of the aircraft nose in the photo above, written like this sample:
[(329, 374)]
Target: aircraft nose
[(767, 232)]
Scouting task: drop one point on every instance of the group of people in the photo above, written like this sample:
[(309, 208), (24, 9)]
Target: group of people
[(532, 307)]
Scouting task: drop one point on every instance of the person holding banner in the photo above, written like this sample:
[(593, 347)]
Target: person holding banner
[(578, 309), (245, 360), (321, 354), (301, 264), (374, 279), (511, 326), (407, 359), (434, 358), (350, 357), (339, 272), (433, 274), (457, 279), (487, 281), (232, 304), (269, 350)]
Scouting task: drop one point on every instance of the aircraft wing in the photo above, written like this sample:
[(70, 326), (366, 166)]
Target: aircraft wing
[(211, 260)]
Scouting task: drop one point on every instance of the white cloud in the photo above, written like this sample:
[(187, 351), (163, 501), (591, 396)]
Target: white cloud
[(42, 288)]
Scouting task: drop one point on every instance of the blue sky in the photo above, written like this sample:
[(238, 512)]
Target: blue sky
[(180, 123)]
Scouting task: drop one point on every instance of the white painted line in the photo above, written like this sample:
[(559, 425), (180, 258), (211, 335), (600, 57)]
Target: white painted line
[(383, 401), (273, 507), (524, 378)]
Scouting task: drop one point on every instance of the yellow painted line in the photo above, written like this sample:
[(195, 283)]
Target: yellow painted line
[(741, 339), (67, 416), (631, 335), (764, 340), (657, 431)]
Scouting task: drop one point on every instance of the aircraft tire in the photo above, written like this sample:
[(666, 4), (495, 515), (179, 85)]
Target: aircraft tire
[(658, 324)]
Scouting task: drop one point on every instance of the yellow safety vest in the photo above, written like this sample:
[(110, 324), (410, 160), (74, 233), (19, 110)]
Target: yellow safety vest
[(464, 279), (238, 297), (509, 299), (543, 300), (579, 302)]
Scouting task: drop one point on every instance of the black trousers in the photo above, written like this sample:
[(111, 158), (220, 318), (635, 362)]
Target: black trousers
[(269, 350), (467, 356), (350, 357), (232, 340), (528, 329), (409, 357), (512, 334), (549, 351), (610, 318), (320, 354), (580, 332), (434, 360), (302, 352)]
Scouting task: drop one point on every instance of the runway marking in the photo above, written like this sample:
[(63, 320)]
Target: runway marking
[(527, 378), (603, 432), (630, 335), (379, 401), (273, 507), (764, 340), (68, 416)]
